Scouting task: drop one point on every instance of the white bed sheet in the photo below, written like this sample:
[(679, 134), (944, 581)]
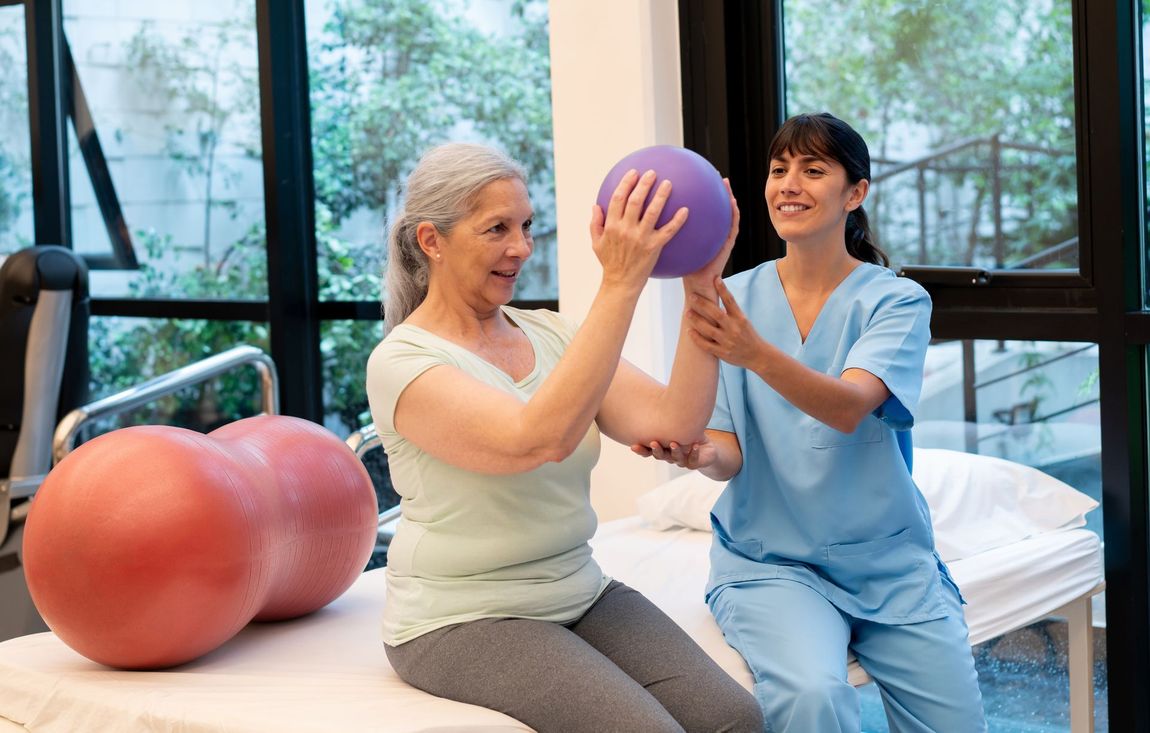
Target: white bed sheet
[(1005, 588), (322, 673), (328, 672)]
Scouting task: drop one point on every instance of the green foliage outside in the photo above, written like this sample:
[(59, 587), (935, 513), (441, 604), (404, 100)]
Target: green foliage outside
[(389, 78), (15, 168), (952, 72)]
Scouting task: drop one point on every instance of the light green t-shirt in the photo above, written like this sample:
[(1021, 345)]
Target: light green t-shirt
[(471, 545)]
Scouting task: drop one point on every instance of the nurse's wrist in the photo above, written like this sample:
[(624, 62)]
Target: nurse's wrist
[(763, 360)]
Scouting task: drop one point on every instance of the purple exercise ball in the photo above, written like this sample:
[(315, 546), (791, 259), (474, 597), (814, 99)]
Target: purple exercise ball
[(695, 184)]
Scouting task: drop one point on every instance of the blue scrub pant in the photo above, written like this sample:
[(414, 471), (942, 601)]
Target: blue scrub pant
[(795, 642)]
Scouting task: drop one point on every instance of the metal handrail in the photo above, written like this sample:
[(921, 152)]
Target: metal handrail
[(1052, 253), (64, 439), (1032, 367), (923, 161), (998, 168), (364, 440), (361, 441)]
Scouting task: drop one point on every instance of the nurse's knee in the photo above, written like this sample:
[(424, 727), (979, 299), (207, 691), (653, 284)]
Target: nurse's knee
[(798, 703)]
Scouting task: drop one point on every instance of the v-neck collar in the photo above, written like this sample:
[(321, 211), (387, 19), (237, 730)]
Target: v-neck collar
[(511, 317), (795, 330)]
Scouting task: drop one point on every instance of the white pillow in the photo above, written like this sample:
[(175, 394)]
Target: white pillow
[(684, 501), (976, 502)]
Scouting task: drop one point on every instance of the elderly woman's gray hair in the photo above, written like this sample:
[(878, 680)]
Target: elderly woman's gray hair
[(440, 190)]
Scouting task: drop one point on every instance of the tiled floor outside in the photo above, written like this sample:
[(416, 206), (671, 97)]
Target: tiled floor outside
[(1024, 681)]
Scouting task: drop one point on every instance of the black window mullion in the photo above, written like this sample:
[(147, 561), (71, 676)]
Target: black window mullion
[(293, 281), (1101, 302), (189, 308), (123, 255), (732, 104), (52, 216), (1111, 195)]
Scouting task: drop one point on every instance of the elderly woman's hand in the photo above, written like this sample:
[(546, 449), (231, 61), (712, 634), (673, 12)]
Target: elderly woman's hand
[(625, 238)]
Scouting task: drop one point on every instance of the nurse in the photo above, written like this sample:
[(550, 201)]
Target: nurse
[(822, 543)]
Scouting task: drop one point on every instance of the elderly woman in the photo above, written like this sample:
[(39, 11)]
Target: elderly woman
[(491, 417)]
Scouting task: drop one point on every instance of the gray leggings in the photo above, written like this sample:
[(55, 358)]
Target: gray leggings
[(623, 666)]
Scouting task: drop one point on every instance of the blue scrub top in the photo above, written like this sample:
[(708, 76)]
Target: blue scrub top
[(835, 511)]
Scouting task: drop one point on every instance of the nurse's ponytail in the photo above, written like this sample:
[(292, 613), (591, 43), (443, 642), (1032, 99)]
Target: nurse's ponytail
[(860, 240)]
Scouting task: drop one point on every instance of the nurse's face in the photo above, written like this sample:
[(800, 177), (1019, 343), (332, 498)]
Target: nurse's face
[(809, 197)]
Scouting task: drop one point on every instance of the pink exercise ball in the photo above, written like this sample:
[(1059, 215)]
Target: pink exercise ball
[(695, 184), (150, 546)]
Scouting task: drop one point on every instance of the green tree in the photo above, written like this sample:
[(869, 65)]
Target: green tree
[(389, 78), (209, 97), (15, 168), (124, 350), (947, 71)]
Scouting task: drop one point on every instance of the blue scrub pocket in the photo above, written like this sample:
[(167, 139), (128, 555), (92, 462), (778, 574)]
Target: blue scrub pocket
[(887, 580), (870, 430), (750, 549)]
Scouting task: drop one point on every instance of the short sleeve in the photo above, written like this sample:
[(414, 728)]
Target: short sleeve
[(394, 364), (721, 415), (564, 326), (892, 347)]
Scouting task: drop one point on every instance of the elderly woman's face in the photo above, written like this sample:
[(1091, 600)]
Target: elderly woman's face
[(488, 247)]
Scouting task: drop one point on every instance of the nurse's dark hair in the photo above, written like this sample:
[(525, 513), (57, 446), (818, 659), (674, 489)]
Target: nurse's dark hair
[(442, 190), (828, 137)]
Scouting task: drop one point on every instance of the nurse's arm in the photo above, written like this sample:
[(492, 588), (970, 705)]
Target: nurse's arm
[(717, 456), (838, 402), (841, 402), (728, 456)]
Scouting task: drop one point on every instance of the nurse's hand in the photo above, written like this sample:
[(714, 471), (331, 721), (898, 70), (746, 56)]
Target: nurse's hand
[(696, 455), (724, 331)]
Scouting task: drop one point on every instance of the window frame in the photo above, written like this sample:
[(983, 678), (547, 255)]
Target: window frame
[(733, 86), (293, 309)]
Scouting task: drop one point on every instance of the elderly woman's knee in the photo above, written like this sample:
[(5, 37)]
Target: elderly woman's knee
[(730, 709), (745, 716)]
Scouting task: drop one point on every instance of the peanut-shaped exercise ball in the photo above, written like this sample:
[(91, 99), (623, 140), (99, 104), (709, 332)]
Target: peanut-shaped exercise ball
[(150, 546)]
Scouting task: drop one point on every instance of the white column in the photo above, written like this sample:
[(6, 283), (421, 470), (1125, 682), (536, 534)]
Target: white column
[(615, 88)]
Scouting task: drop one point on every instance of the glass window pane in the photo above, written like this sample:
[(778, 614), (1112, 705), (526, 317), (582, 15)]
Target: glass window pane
[(971, 133), (16, 226), (174, 97), (345, 346), (1035, 404), (126, 351), (390, 80)]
